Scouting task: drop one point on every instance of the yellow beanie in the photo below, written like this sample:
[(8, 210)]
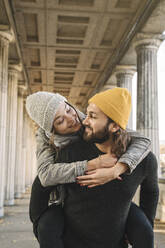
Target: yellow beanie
[(115, 103)]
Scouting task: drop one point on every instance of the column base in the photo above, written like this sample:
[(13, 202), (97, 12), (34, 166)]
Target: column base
[(1, 212), (160, 215), (18, 195), (9, 202), (27, 187)]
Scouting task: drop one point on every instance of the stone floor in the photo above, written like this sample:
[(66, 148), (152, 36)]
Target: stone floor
[(16, 229)]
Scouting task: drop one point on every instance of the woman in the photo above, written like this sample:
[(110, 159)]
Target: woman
[(56, 117)]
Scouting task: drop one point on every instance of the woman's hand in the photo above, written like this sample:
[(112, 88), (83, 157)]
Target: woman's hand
[(102, 175), (103, 161)]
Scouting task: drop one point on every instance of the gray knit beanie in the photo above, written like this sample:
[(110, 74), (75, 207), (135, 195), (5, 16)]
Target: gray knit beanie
[(42, 107)]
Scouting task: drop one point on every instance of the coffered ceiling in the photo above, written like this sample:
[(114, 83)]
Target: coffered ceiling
[(67, 45)]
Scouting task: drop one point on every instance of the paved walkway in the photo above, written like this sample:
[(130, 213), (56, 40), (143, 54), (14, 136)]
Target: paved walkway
[(16, 229)]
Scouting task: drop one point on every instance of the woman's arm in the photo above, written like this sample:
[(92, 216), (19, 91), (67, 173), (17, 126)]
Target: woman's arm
[(51, 173), (139, 148), (136, 152)]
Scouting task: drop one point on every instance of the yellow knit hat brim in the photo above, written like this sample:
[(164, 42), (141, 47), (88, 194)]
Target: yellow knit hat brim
[(115, 103)]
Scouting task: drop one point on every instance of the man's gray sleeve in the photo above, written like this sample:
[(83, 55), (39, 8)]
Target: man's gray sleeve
[(51, 173), (139, 148)]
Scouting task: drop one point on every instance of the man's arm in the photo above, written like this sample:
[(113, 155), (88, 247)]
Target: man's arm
[(149, 192)]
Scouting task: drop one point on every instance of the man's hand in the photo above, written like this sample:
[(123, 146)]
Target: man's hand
[(103, 161), (102, 175)]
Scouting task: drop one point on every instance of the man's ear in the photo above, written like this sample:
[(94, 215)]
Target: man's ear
[(113, 127)]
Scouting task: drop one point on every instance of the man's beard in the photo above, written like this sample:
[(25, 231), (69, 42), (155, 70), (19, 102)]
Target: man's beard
[(98, 137)]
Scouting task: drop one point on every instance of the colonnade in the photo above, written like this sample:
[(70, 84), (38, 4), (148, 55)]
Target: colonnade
[(17, 137), (17, 133), (147, 121), (146, 48)]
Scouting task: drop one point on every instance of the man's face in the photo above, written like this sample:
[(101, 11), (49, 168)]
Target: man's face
[(96, 125), (66, 120)]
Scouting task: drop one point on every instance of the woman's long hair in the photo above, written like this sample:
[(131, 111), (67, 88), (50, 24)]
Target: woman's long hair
[(51, 143)]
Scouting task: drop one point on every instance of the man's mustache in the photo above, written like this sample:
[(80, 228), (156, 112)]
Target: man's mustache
[(88, 127)]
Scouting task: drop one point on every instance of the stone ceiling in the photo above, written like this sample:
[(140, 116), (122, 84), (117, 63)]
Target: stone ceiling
[(68, 46)]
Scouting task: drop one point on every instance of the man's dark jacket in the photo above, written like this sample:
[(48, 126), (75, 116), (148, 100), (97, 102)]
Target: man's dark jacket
[(96, 217)]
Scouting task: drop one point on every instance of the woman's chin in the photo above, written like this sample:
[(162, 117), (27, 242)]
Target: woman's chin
[(77, 128)]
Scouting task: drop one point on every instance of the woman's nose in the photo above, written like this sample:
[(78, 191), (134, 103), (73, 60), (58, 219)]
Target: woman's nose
[(70, 117), (85, 121)]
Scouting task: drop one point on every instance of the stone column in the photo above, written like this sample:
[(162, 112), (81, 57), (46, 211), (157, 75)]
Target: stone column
[(34, 162), (11, 132), (147, 89), (124, 75), (24, 137), (19, 168), (28, 152), (5, 38)]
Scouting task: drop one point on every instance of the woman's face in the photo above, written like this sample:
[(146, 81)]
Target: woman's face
[(66, 120)]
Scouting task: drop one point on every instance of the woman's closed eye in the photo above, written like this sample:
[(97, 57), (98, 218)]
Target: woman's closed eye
[(59, 121), (68, 109)]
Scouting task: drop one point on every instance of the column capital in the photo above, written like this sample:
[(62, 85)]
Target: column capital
[(151, 41), (15, 68), (22, 90), (8, 35), (107, 87), (125, 69)]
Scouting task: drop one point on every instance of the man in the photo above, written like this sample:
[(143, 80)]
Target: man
[(96, 217), (60, 125)]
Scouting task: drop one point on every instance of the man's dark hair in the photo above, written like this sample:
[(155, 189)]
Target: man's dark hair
[(120, 140)]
